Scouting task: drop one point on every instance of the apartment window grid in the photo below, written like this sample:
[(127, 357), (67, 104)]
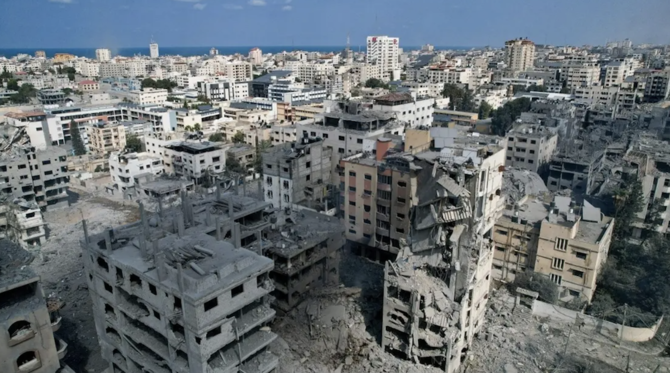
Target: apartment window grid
[(557, 263), (557, 279), (561, 244)]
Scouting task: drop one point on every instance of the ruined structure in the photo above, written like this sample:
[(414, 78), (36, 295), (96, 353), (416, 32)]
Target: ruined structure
[(28, 321), (177, 292), (306, 252), (436, 290), (21, 222)]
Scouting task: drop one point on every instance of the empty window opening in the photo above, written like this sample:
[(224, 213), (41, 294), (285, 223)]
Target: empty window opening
[(210, 304), (237, 291), (152, 289), (157, 315), (108, 287), (102, 263), (214, 332), (177, 303), (135, 281), (19, 329), (28, 361), (119, 276)]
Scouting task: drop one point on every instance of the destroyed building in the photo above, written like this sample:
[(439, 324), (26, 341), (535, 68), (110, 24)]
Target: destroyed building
[(177, 292), (21, 222), (298, 173), (435, 292), (306, 251), (35, 176), (575, 168), (28, 345)]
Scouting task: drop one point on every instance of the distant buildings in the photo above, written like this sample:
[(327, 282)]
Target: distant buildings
[(530, 147), (105, 137), (89, 85), (519, 55), (239, 71), (103, 55), (414, 111), (149, 96), (383, 54), (657, 87), (153, 50), (125, 168), (256, 56)]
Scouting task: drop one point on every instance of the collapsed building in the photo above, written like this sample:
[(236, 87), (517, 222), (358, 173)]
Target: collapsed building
[(177, 292), (435, 292), (28, 345), (21, 222), (306, 253)]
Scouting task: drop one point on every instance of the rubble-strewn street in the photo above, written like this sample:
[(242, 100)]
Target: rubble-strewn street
[(514, 341), (60, 265)]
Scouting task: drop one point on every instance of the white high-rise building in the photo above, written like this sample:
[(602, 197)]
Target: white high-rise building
[(256, 56), (153, 50), (519, 55), (103, 54), (383, 51)]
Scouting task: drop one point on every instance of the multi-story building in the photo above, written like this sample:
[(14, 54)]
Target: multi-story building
[(414, 111), (89, 85), (445, 256), (162, 119), (89, 69), (201, 162), (36, 176), (223, 90), (297, 173), (105, 137), (530, 147), (149, 96), (614, 73), (112, 69), (239, 71), (657, 87), (383, 52), (519, 55), (153, 50), (103, 55), (125, 168), (575, 169), (580, 76), (21, 222), (28, 323), (256, 56), (245, 155), (295, 93), (51, 97), (283, 133), (204, 305)]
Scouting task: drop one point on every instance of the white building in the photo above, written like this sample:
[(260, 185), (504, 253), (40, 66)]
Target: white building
[(256, 56), (223, 90), (617, 71), (287, 90), (581, 76), (384, 52), (149, 96), (103, 54), (408, 109), (124, 168), (111, 69), (153, 50), (239, 71)]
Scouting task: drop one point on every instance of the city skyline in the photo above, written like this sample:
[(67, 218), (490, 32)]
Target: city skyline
[(295, 22)]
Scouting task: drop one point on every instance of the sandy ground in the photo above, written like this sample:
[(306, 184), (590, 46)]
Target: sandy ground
[(60, 266)]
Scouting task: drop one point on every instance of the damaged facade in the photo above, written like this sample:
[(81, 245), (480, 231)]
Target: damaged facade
[(22, 222), (435, 292), (306, 252), (177, 292), (27, 343)]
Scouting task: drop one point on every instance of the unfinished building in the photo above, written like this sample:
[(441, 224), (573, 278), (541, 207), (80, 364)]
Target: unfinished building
[(27, 343), (435, 292), (306, 252), (21, 222), (177, 292)]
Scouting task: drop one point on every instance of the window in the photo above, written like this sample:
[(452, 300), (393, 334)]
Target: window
[(308, 164), (580, 255), (530, 161), (402, 184), (352, 219), (533, 142), (28, 361), (352, 203), (341, 138), (237, 290), (577, 273), (556, 278), (367, 221), (400, 230), (213, 333), (401, 200), (561, 244), (352, 174), (501, 232), (531, 151), (359, 141), (108, 287), (400, 216), (216, 159), (352, 188), (367, 192), (573, 293), (501, 249), (340, 150), (368, 177), (286, 198), (509, 148), (211, 304), (352, 231), (382, 194), (384, 179), (557, 263), (46, 162), (366, 208), (152, 289)]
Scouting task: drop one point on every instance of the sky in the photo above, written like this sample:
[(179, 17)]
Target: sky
[(132, 23)]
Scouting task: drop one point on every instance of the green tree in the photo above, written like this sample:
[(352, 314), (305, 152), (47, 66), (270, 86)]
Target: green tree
[(197, 127), (203, 98), (261, 147), (238, 137), (566, 90), (67, 91), (547, 289), (375, 83), (504, 117), (133, 143), (234, 166), (216, 137), (459, 99), (485, 110), (5, 75), (188, 129), (13, 85), (77, 142), (148, 83)]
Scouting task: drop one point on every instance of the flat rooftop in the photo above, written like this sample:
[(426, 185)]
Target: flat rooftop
[(304, 229)]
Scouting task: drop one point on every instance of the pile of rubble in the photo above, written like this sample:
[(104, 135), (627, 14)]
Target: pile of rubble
[(514, 341)]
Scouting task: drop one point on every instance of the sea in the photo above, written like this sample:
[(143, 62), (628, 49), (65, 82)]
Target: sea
[(190, 51)]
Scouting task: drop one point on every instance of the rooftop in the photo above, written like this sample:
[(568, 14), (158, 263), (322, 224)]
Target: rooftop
[(14, 265), (303, 230)]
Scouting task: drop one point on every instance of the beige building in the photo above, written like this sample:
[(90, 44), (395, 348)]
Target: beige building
[(105, 138), (519, 55), (556, 237), (239, 71), (88, 85), (149, 96), (530, 147), (253, 133)]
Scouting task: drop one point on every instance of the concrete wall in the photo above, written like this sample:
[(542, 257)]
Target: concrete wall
[(596, 325)]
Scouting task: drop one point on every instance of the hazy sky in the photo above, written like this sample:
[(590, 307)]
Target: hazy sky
[(131, 23)]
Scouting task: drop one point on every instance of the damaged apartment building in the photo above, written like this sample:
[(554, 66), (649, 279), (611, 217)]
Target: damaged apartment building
[(298, 173), (178, 292), (21, 222), (306, 251), (439, 207), (28, 320)]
